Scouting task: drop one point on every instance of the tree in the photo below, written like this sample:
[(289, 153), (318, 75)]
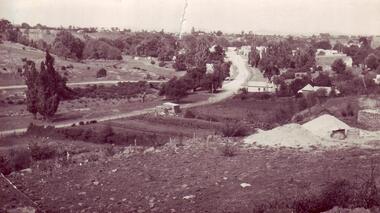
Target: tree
[(372, 61), (254, 57), (25, 25), (45, 89), (32, 90), (5, 25), (66, 45), (101, 73), (339, 47), (175, 89), (338, 66), (323, 79), (48, 98), (323, 45)]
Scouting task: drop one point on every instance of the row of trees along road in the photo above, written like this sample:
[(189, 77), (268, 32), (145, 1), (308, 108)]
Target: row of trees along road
[(45, 88)]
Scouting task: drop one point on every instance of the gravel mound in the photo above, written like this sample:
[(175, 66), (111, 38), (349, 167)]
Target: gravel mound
[(324, 125), (289, 135)]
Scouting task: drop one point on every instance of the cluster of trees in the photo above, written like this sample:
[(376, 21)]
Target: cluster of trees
[(98, 49), (68, 46), (196, 51), (11, 33), (45, 88), (279, 55)]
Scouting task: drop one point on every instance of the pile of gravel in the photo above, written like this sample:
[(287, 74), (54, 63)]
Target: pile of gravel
[(289, 135), (324, 125)]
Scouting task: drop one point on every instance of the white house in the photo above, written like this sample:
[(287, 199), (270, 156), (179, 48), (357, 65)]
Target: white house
[(308, 89), (261, 86), (377, 79)]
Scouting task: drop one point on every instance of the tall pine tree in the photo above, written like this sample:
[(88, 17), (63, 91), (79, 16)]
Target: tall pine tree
[(31, 93), (46, 88)]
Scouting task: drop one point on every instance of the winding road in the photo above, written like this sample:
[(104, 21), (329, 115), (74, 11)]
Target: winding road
[(228, 90)]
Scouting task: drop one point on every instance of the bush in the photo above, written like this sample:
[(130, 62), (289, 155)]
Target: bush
[(161, 64), (229, 150), (101, 73), (41, 152), (19, 159), (189, 114), (233, 130), (106, 135), (5, 167)]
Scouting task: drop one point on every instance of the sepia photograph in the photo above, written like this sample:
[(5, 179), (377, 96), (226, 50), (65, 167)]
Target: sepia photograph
[(189, 106)]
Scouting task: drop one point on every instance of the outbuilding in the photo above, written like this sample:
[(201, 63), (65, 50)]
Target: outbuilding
[(168, 108)]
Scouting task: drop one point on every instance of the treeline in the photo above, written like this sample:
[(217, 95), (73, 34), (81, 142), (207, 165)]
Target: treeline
[(287, 54)]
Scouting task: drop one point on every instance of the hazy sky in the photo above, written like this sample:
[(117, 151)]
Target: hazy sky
[(260, 16)]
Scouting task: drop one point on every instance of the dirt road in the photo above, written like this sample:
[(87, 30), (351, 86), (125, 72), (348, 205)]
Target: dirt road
[(228, 89), (79, 84)]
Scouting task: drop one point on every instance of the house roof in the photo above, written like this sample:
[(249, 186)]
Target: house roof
[(307, 88)]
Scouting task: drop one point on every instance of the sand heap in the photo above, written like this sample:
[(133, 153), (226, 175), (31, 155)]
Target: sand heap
[(313, 133), (289, 135), (324, 125)]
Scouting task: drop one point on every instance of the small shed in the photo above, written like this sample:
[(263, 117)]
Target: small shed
[(168, 108)]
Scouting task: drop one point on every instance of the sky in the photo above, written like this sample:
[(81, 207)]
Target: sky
[(358, 17)]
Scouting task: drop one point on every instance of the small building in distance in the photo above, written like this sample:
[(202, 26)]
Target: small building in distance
[(309, 89), (168, 108), (261, 86), (377, 79)]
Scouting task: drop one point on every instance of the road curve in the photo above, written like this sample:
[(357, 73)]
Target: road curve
[(228, 90)]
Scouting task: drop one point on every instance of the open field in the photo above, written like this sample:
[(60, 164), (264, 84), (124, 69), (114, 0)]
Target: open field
[(123, 70), (194, 176), (261, 113), (16, 116)]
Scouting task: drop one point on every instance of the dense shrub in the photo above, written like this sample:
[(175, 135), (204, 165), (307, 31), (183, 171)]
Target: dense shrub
[(101, 73), (121, 90), (233, 129), (66, 45), (5, 166), (19, 159), (189, 114), (41, 152), (105, 135), (229, 150), (161, 64)]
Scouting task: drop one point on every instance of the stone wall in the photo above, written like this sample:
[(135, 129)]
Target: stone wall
[(369, 118)]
